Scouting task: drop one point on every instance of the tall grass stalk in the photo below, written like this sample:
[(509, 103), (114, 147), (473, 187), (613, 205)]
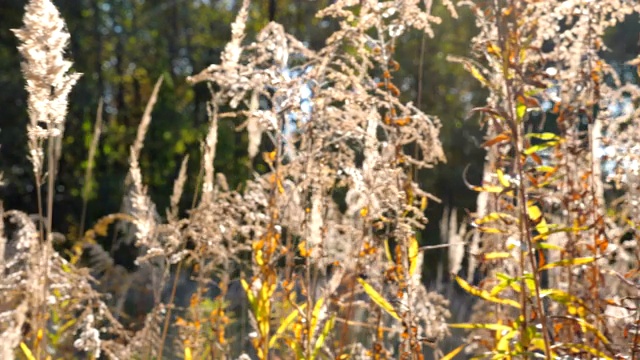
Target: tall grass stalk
[(88, 175)]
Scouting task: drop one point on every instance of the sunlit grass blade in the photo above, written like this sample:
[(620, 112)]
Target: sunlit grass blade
[(378, 299)]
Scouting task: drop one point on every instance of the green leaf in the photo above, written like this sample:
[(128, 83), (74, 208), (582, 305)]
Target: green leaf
[(328, 326)]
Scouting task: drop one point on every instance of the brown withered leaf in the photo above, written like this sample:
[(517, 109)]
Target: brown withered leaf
[(505, 136)]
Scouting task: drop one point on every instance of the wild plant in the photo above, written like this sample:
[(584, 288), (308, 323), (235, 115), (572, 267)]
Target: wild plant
[(325, 232), (38, 285), (336, 133), (558, 257), (318, 254)]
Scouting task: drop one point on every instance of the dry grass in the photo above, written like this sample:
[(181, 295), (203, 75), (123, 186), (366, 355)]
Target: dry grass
[(317, 257)]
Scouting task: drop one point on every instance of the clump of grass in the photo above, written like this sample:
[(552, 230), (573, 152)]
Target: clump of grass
[(554, 250), (318, 256), (283, 241)]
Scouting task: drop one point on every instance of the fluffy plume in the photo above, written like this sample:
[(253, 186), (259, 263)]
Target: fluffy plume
[(43, 41)]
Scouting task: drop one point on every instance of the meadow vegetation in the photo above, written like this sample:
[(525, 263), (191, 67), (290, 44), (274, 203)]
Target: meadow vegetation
[(318, 255)]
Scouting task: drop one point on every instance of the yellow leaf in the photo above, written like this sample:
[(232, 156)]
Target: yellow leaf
[(387, 251), (543, 136), (496, 255), (505, 282), (543, 228), (547, 246), (587, 348), (560, 296), (589, 327), (269, 157), (490, 230), (503, 180), (364, 211), (275, 179), (538, 344), (247, 289), (487, 218), (488, 188), (27, 352), (493, 49), (546, 168), (259, 254), (266, 291), (378, 299), (187, 353), (493, 217), (538, 147), (423, 203), (328, 326), (315, 315), (485, 294), (280, 187), (285, 324), (535, 214), (476, 73), (453, 353), (413, 254), (302, 247), (67, 325), (503, 343), (492, 327), (569, 262), (521, 109)]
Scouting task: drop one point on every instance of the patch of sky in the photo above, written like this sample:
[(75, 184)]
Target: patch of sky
[(623, 107), (300, 100), (615, 108), (304, 97)]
